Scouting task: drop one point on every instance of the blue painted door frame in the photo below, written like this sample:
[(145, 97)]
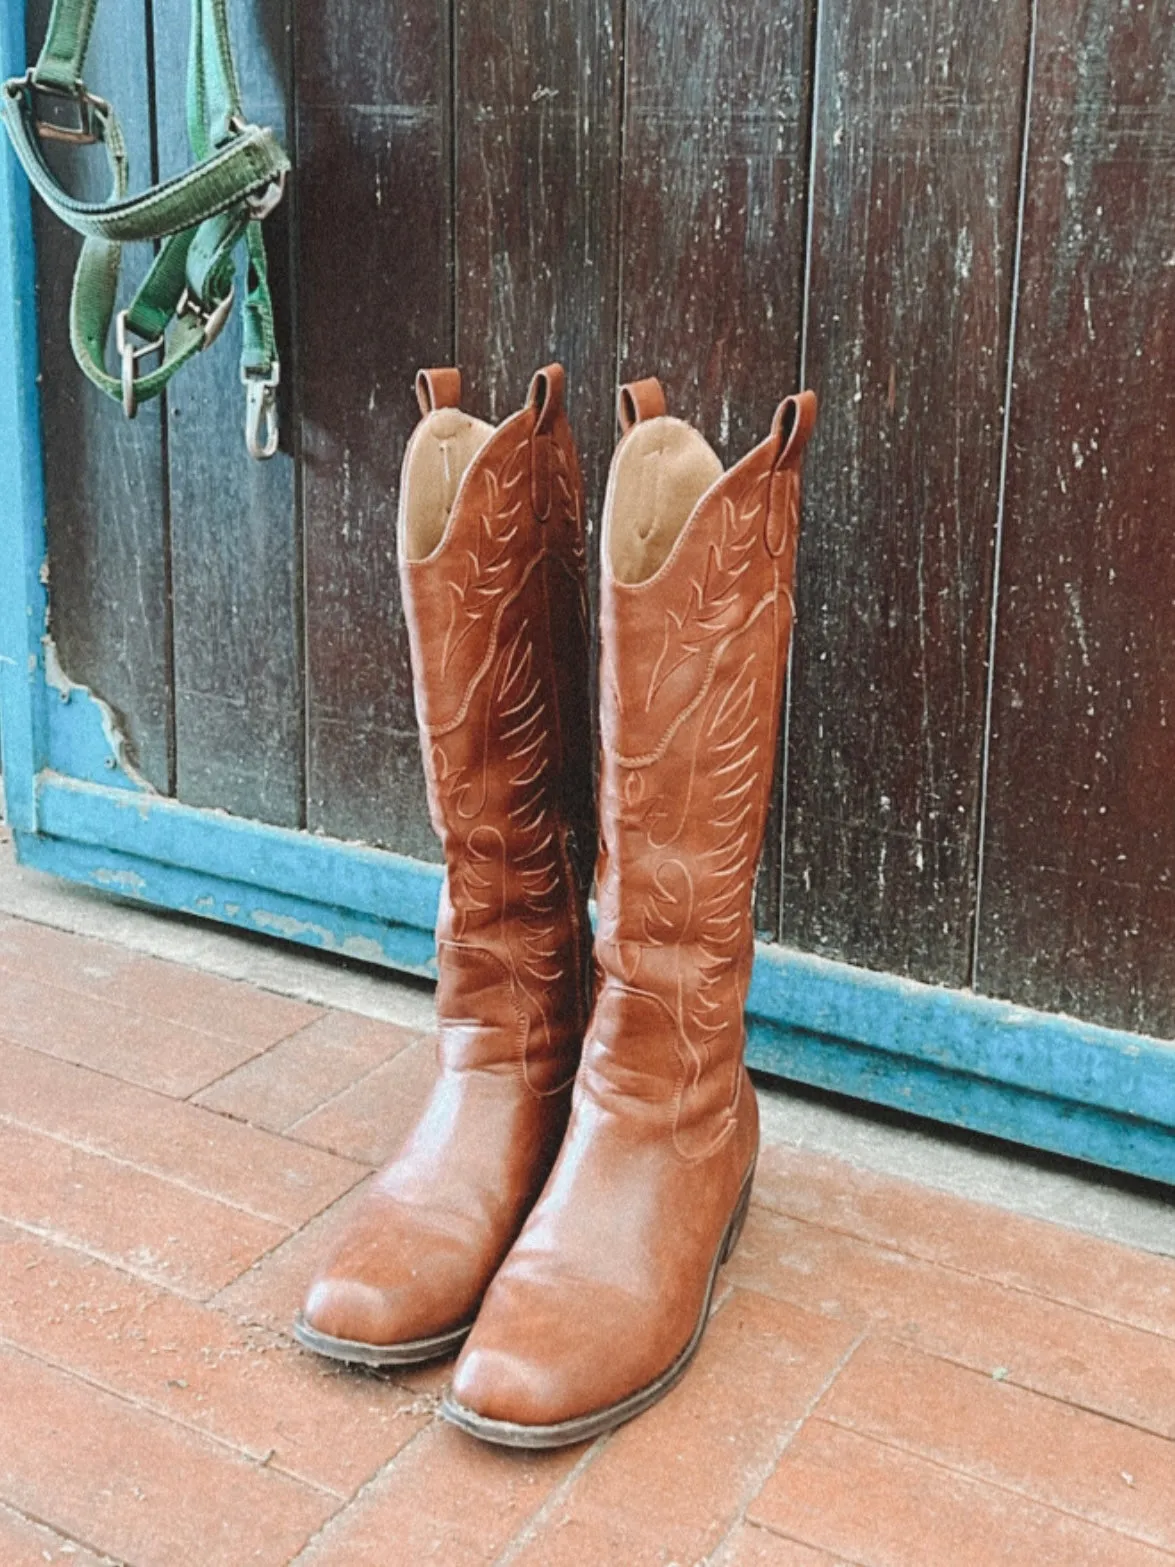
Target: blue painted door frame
[(78, 809)]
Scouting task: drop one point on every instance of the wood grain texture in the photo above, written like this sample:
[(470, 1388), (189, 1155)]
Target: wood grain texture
[(712, 228), (914, 198), (537, 118), (108, 587), (235, 534), (373, 263), (1078, 906)]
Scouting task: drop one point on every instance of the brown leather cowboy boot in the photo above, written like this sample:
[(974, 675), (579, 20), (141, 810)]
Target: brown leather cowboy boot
[(601, 1303), (491, 545)]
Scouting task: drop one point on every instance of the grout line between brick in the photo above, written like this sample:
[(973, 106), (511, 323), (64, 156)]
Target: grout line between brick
[(988, 1483), (97, 999), (213, 1299), (532, 1528), (62, 1534), (346, 1089), (144, 1407), (967, 1273), (96, 1152), (795, 1539), (758, 1477), (312, 1541)]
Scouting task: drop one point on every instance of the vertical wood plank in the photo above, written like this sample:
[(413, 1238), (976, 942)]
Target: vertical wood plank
[(914, 203), (1078, 904), (108, 589), (374, 269), (537, 131), (713, 227), (235, 538)]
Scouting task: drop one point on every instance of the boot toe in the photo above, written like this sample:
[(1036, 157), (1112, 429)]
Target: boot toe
[(360, 1313), (509, 1386)]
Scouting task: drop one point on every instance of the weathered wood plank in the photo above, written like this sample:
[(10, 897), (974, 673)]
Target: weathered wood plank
[(712, 227), (375, 291), (537, 123), (914, 201), (235, 533), (108, 590), (1078, 902)]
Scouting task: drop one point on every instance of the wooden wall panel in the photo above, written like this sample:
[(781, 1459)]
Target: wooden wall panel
[(712, 226), (1078, 898), (537, 112), (375, 303), (236, 546), (103, 476), (914, 202)]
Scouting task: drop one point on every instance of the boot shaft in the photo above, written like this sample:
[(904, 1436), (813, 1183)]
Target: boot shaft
[(492, 570), (697, 568)]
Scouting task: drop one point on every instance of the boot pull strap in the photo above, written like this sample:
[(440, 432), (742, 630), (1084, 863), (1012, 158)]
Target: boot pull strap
[(438, 389), (794, 421), (546, 398), (640, 400)]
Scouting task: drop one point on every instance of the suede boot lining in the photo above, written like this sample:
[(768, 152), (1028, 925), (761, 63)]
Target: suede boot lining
[(663, 469), (444, 446)]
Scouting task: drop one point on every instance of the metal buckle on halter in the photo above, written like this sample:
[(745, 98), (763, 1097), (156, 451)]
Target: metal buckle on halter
[(263, 203), (87, 104), (211, 320), (129, 357), (261, 429)]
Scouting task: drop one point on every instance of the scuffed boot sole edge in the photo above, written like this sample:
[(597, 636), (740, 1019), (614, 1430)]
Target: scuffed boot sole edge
[(410, 1353), (582, 1428)]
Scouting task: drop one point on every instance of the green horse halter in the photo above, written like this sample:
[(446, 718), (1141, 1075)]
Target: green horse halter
[(200, 217)]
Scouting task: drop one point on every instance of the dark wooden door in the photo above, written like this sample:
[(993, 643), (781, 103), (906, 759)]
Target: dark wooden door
[(956, 222)]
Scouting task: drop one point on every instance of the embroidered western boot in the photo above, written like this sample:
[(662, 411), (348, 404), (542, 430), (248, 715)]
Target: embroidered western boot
[(491, 547), (601, 1303)]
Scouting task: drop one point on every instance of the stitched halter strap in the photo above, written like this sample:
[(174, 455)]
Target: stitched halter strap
[(201, 217)]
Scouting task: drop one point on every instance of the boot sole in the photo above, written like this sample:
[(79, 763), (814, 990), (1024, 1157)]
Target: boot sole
[(411, 1352), (582, 1428)]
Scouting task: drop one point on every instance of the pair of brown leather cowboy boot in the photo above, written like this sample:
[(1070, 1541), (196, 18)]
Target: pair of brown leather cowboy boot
[(578, 1174)]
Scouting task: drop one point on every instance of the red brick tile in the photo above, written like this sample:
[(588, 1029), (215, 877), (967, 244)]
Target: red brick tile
[(370, 1120), (145, 1050), (24, 1543), (210, 1002), (670, 1484), (1101, 1470), (153, 986), (446, 1499), (1081, 1270), (300, 1073), (1039, 1344), (147, 1225), (884, 1508), (59, 957), (137, 1486), (750, 1546), (200, 1367), (253, 1169)]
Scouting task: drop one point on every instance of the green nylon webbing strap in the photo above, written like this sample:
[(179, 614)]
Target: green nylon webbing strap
[(67, 37), (201, 217)]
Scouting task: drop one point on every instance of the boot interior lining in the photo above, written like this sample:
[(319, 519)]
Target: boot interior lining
[(444, 446), (663, 469)]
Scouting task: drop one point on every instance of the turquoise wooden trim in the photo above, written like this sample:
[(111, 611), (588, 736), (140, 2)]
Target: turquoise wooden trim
[(262, 910), (232, 848), (1049, 1081), (22, 495)]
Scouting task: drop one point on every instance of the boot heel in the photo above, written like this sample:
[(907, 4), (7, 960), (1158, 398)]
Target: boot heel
[(737, 1219)]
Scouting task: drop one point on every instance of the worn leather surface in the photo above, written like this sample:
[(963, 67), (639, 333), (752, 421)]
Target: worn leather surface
[(497, 617), (606, 1284)]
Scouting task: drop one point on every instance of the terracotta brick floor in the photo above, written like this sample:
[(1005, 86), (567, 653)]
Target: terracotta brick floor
[(892, 1377)]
